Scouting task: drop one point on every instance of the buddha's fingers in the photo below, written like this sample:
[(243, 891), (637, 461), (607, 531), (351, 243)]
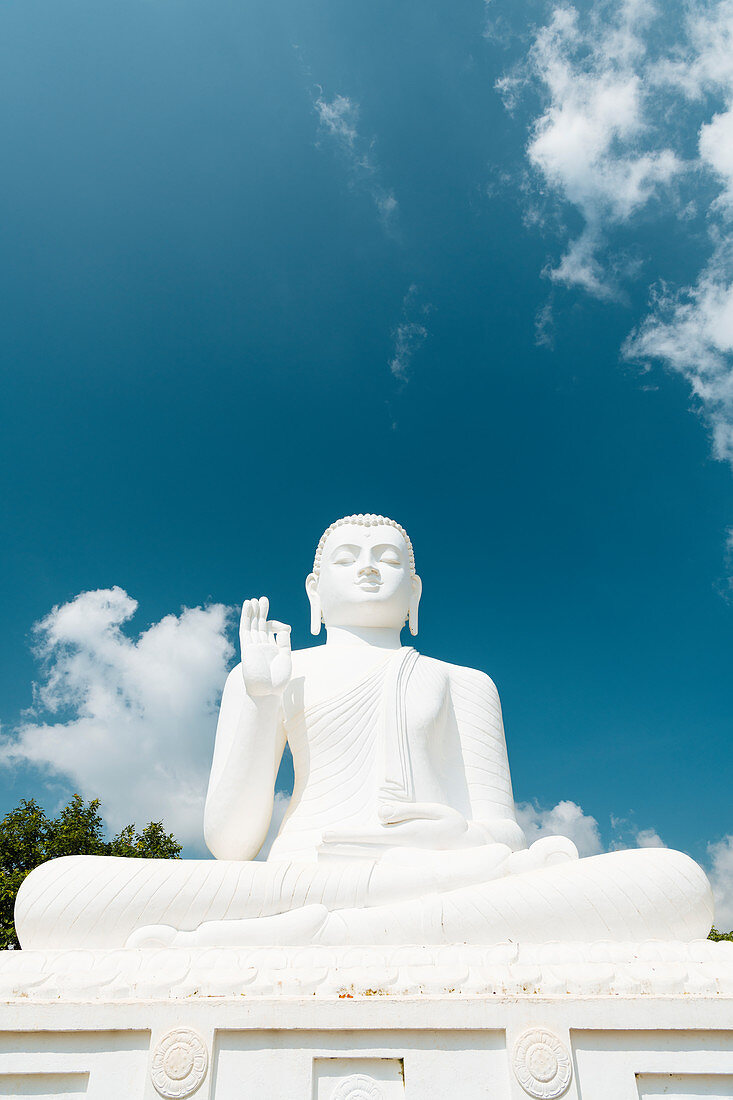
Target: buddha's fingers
[(295, 928), (280, 632), (262, 620), (256, 633), (245, 623), (332, 838), (394, 813), (249, 636)]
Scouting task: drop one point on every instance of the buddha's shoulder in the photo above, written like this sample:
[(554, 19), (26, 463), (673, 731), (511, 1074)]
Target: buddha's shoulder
[(303, 659), (459, 677)]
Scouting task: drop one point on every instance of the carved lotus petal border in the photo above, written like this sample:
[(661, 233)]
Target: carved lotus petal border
[(541, 1064), (179, 1064), (698, 969), (359, 1086)]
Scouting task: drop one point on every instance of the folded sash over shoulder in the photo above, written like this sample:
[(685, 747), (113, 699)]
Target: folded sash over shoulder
[(397, 783)]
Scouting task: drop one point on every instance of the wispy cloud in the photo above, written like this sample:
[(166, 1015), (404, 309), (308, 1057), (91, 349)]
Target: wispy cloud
[(649, 838), (409, 335), (130, 720), (338, 118), (564, 819), (544, 327), (626, 833), (691, 331), (339, 121), (592, 144), (634, 111)]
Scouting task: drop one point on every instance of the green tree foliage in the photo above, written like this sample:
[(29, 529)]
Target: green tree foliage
[(28, 837), (717, 936)]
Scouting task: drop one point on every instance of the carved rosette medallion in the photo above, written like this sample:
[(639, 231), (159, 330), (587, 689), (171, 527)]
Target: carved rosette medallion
[(360, 1086), (179, 1065), (541, 1064)]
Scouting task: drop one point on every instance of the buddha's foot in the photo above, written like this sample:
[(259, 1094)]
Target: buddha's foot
[(481, 895), (548, 851), (285, 929), (633, 895), (152, 935)]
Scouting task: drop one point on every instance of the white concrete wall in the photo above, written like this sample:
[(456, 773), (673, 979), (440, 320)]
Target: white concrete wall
[(371, 1048)]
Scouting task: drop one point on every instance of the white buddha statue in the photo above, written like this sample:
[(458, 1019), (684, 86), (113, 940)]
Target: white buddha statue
[(401, 827)]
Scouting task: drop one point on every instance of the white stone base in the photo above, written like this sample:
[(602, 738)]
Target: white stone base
[(586, 1022)]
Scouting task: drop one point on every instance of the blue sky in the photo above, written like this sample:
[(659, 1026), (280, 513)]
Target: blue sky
[(467, 265)]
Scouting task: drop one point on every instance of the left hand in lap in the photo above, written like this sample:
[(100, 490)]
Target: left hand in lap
[(412, 825)]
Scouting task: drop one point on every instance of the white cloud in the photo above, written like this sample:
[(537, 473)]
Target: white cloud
[(630, 106), (649, 838), (409, 335), (702, 61), (564, 819), (590, 143), (691, 331), (721, 879), (128, 720), (627, 834), (716, 150), (580, 266), (338, 120), (544, 327)]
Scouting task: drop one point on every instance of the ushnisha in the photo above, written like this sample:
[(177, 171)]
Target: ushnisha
[(401, 828)]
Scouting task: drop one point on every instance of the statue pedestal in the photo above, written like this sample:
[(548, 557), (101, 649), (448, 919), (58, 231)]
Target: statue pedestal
[(584, 1021)]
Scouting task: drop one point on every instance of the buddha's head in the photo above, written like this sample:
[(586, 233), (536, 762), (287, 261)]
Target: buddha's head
[(364, 576)]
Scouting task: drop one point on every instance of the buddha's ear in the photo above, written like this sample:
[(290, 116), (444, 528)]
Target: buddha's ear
[(415, 603), (311, 587)]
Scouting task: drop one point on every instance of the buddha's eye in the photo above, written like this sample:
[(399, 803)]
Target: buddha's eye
[(343, 558), (389, 557)]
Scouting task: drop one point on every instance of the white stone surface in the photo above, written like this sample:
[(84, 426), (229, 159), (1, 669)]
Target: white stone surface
[(401, 941), (64, 1036), (541, 1064), (502, 970), (179, 1063), (401, 828)]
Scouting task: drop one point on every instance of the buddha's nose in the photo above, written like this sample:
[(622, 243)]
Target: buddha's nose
[(368, 570)]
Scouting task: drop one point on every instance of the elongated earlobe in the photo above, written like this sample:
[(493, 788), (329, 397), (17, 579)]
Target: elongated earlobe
[(311, 587), (414, 604)]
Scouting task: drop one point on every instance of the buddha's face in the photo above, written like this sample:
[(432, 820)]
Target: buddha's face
[(365, 578)]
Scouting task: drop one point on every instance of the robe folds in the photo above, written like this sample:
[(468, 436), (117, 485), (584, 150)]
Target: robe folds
[(412, 730)]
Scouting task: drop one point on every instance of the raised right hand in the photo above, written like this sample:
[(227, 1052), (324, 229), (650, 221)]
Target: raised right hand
[(265, 646)]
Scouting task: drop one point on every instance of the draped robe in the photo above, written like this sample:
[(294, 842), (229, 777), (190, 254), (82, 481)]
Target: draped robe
[(414, 729)]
